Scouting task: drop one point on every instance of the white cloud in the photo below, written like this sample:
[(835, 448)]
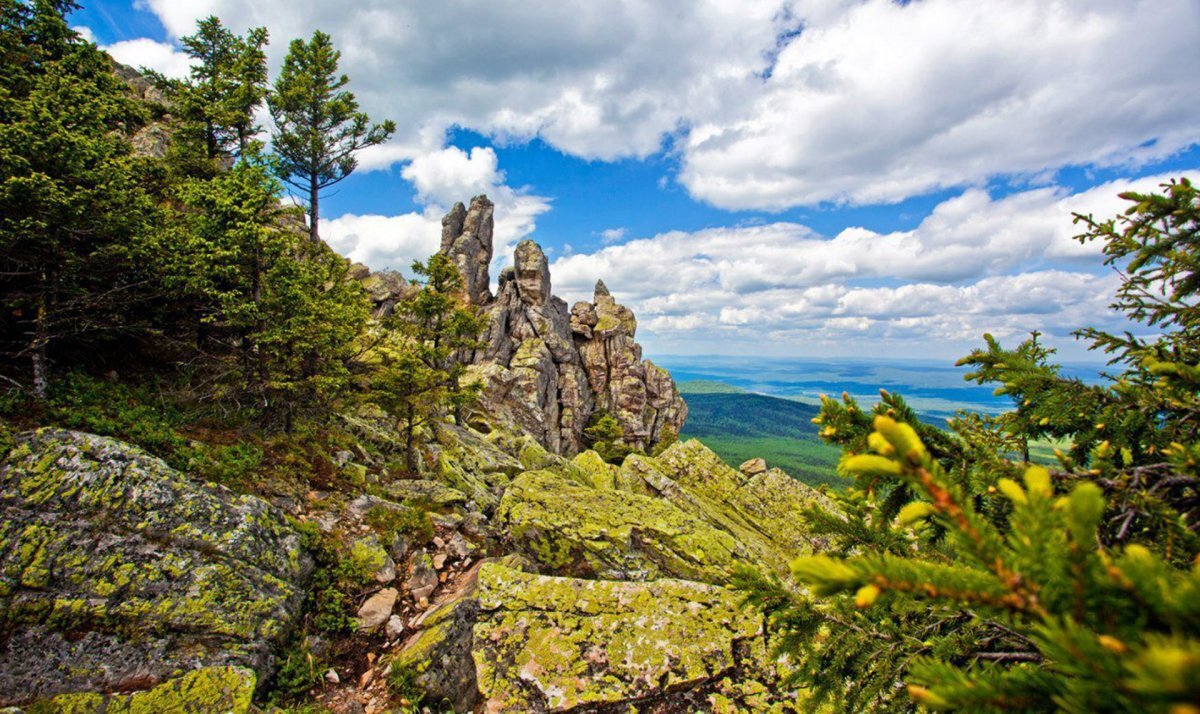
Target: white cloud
[(887, 101), (441, 178), (159, 56), (599, 80), (612, 235), (873, 101), (384, 241), (976, 264)]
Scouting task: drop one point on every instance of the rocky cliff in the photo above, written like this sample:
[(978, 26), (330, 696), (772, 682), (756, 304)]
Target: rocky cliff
[(548, 368)]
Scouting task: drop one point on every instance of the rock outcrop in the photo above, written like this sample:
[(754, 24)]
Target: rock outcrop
[(117, 572), (546, 368), (610, 597)]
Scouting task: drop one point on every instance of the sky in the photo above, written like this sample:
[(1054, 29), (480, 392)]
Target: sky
[(822, 178)]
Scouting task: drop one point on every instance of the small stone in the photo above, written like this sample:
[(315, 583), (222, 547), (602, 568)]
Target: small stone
[(439, 561), (376, 610), (437, 541), (423, 579), (460, 547), (366, 678), (394, 627), (387, 573), (399, 548), (753, 467), (332, 677)]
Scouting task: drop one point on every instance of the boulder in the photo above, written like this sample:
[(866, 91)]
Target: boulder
[(203, 691), (117, 572), (377, 609), (573, 529), (753, 467), (551, 644), (438, 655)]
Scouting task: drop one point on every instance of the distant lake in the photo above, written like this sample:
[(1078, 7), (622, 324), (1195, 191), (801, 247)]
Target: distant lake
[(936, 389)]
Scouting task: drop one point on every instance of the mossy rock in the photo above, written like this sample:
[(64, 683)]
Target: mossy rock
[(211, 690), (760, 509), (114, 568), (550, 644), (571, 529), (599, 473), (433, 493)]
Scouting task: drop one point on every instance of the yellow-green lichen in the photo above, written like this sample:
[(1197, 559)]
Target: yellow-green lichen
[(570, 642), (211, 690)]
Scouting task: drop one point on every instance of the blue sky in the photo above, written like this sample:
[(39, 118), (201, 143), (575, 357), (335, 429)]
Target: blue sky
[(788, 177)]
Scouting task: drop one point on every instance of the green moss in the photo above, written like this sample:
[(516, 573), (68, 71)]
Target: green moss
[(211, 690), (412, 521), (367, 557)]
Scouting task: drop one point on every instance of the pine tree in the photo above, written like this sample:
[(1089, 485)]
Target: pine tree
[(72, 206), (436, 330), (286, 307), (318, 127), (962, 577), (215, 105)]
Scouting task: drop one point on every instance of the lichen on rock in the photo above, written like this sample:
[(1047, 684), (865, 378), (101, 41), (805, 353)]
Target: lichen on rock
[(210, 690), (116, 569), (572, 529), (551, 644)]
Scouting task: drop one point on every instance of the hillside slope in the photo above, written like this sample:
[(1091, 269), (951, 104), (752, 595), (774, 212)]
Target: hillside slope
[(745, 426)]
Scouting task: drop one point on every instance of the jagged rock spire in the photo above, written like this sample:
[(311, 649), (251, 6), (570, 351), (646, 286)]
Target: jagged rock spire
[(533, 274), (467, 239), (601, 290)]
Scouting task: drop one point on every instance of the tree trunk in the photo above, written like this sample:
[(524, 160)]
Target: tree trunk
[(410, 452), (38, 347), (313, 211)]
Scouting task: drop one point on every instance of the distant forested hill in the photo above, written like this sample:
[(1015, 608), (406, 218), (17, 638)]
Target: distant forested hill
[(708, 386), (740, 426)]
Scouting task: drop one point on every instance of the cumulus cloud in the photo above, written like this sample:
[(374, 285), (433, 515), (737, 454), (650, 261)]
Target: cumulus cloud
[(889, 100), (770, 103), (1005, 265), (159, 56), (612, 235), (600, 80), (440, 178)]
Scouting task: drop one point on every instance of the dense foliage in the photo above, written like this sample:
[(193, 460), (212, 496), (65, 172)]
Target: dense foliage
[(181, 268), (961, 577)]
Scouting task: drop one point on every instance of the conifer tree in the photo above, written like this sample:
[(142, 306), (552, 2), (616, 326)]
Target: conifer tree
[(318, 126), (217, 102), (963, 577), (72, 208), (437, 330), (286, 306)]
